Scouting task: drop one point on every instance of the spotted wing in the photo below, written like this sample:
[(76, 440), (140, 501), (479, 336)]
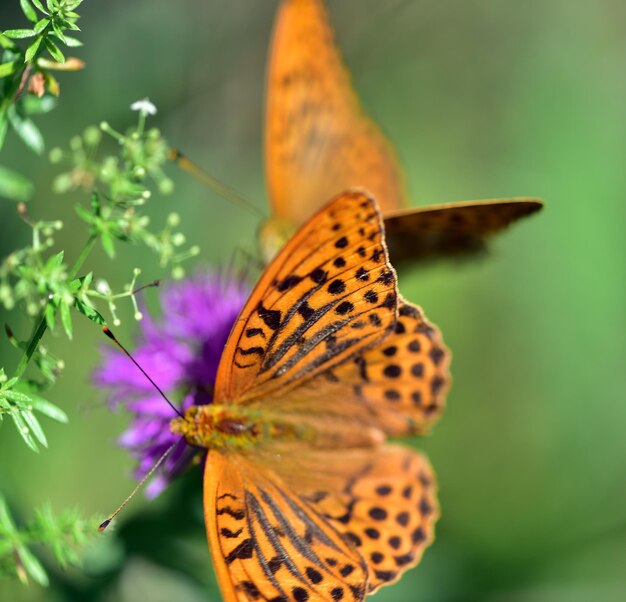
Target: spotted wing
[(397, 387), (329, 294), (270, 544), (382, 500), (401, 385), (318, 141), (451, 229)]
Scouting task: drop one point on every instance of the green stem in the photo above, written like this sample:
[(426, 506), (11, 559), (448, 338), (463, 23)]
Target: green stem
[(40, 330), (83, 255)]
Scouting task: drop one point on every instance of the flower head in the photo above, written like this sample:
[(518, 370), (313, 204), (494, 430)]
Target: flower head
[(181, 353), (144, 106)]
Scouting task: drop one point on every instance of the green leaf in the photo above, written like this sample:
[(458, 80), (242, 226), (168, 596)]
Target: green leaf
[(57, 259), (8, 68), (35, 427), (73, 5), (14, 186), (5, 42), (70, 25), (85, 215), (32, 565), (11, 382), (48, 409), (27, 131), (41, 25), (28, 10), (31, 51), (38, 4), (51, 312), (58, 32), (53, 49), (19, 34), (90, 312), (71, 42), (107, 245), (6, 521), (24, 431), (18, 397), (66, 318)]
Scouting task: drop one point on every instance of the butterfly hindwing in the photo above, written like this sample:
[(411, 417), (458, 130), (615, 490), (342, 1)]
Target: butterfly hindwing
[(269, 544), (451, 229), (329, 293), (382, 499), (402, 383), (397, 387)]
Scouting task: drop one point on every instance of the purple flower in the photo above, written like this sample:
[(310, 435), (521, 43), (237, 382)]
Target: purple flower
[(181, 353)]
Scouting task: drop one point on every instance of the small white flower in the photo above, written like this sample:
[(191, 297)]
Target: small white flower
[(145, 106)]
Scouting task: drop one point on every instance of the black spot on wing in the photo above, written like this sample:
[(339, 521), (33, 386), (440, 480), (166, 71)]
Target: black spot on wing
[(271, 317)]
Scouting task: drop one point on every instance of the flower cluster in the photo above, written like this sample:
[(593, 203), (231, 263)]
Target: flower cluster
[(181, 352)]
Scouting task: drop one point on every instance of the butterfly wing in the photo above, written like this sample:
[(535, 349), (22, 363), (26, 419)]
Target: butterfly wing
[(451, 229), (398, 387), (382, 499), (318, 141), (296, 524), (268, 543), (328, 294)]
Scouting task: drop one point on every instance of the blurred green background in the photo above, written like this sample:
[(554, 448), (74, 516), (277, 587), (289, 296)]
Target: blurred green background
[(482, 99)]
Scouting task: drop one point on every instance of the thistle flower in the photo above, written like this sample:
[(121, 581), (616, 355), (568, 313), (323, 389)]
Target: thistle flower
[(181, 353)]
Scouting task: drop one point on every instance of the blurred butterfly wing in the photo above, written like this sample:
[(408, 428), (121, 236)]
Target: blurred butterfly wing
[(328, 294), (268, 543), (318, 141), (451, 229)]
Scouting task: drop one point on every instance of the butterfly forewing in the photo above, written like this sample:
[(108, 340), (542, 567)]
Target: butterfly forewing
[(269, 544), (318, 141), (329, 293)]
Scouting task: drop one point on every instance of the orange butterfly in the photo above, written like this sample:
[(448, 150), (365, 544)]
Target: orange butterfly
[(318, 142), (303, 499)]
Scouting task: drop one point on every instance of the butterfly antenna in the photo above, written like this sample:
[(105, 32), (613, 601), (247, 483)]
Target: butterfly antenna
[(158, 463), (108, 332), (225, 191)]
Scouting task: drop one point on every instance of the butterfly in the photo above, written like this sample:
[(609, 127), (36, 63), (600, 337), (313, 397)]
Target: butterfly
[(318, 142), (303, 497)]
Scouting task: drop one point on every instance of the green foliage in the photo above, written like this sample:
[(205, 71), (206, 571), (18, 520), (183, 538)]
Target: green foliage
[(38, 280), (62, 535), (21, 406), (27, 85)]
